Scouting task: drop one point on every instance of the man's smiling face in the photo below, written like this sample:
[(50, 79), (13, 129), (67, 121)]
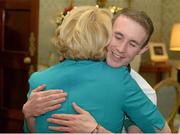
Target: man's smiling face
[(127, 40)]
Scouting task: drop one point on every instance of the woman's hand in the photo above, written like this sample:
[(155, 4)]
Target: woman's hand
[(73, 123), (41, 102)]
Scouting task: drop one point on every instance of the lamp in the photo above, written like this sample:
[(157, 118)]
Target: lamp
[(175, 38), (175, 43)]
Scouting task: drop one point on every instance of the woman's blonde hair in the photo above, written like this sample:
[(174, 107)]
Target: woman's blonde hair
[(84, 33)]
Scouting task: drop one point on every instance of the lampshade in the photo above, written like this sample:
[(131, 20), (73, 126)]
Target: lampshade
[(175, 38)]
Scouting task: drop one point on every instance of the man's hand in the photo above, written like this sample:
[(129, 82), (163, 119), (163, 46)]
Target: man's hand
[(41, 102), (73, 123), (134, 129)]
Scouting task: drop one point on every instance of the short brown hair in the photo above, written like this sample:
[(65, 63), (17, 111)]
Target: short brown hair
[(138, 16)]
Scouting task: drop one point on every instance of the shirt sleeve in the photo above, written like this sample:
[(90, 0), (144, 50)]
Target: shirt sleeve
[(144, 85), (140, 109)]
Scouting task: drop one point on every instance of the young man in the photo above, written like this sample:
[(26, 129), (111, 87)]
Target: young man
[(129, 38)]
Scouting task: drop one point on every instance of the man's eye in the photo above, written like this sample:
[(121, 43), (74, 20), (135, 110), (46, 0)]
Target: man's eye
[(133, 45), (118, 37)]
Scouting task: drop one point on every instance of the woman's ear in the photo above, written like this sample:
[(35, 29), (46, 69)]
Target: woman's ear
[(144, 49)]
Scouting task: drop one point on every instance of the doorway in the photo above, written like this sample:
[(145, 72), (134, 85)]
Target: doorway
[(18, 58)]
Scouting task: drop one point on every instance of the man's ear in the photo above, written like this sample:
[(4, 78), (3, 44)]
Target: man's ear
[(144, 49)]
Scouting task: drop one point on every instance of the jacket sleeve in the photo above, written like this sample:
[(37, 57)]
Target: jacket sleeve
[(140, 108)]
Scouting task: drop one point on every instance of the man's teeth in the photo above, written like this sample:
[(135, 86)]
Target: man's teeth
[(115, 54)]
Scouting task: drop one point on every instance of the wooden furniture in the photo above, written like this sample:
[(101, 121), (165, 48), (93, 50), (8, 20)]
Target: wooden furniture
[(157, 68), (18, 58), (178, 74), (168, 99)]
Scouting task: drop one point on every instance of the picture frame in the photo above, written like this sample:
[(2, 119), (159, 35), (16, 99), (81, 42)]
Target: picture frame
[(158, 52)]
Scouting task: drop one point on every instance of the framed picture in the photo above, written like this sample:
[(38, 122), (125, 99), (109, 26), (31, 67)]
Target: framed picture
[(158, 52)]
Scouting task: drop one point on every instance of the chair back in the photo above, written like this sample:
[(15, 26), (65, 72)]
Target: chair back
[(168, 98)]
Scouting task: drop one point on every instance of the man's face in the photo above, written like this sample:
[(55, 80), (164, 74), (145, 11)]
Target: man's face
[(127, 39)]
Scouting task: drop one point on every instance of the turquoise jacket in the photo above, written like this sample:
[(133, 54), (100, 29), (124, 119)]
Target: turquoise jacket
[(107, 93)]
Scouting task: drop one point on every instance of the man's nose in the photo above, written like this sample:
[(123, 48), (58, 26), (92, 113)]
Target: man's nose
[(122, 47)]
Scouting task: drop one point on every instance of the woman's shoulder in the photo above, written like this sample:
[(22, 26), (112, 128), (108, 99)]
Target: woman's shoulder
[(120, 74), (122, 69), (45, 72)]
